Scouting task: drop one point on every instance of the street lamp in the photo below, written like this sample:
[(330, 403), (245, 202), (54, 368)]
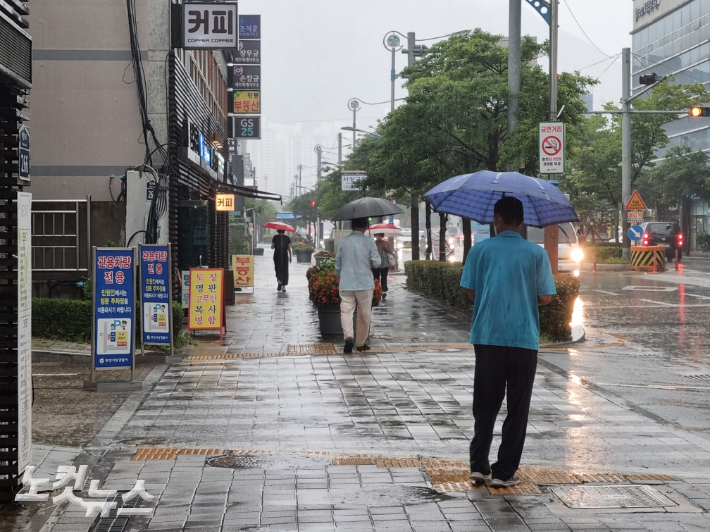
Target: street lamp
[(354, 106), (392, 42)]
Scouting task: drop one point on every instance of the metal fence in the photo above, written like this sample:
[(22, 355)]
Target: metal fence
[(60, 229)]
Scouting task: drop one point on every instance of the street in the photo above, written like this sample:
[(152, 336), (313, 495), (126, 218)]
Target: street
[(272, 428)]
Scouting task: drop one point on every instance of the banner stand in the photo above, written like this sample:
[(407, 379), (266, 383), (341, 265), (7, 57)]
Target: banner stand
[(112, 337), (153, 274)]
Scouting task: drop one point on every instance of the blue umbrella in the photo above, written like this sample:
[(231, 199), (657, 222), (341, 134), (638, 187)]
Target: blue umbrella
[(473, 196)]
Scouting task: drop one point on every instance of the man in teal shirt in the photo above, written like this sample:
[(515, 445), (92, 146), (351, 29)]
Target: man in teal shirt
[(507, 277)]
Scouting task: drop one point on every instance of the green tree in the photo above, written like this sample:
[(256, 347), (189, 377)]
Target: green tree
[(266, 212)]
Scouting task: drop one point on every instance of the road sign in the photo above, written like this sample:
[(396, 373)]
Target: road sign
[(635, 202), (349, 180), (634, 216), (635, 232), (552, 148), (24, 154), (247, 127)]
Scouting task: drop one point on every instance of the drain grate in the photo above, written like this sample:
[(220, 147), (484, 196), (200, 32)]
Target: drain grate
[(112, 522), (698, 376), (600, 497)]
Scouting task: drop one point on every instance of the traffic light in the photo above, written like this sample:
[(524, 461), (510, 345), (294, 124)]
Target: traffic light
[(697, 111), (648, 79), (313, 203)]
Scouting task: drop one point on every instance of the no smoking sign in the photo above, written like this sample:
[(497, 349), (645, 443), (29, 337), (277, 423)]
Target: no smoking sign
[(552, 148)]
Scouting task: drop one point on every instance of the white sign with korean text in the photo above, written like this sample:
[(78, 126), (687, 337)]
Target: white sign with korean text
[(349, 180), (210, 26), (24, 330), (552, 147)]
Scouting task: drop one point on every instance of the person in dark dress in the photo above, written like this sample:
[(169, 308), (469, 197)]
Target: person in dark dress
[(281, 244)]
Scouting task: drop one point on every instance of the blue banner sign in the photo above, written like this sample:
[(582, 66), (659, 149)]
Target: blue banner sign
[(114, 307), (249, 26), (155, 294)]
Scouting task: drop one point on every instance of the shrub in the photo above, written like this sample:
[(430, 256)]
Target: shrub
[(301, 247), (702, 240), (441, 281)]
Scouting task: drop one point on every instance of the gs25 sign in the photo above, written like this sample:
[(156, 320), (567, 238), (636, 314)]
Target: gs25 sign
[(247, 127)]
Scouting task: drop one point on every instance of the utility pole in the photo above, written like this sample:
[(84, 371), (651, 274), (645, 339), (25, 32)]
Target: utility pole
[(319, 222), (625, 146), (340, 149), (300, 182), (411, 43), (514, 64), (319, 153), (551, 236)]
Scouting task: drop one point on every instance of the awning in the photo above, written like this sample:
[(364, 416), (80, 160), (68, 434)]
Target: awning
[(247, 192)]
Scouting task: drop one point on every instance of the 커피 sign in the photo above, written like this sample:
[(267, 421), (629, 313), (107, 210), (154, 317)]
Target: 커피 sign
[(210, 26), (156, 294), (245, 103), (114, 308), (249, 53), (552, 148)]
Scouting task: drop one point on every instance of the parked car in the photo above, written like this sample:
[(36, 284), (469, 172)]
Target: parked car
[(404, 241), (666, 234), (569, 254)]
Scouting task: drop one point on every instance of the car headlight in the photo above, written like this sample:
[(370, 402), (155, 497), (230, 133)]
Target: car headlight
[(400, 245), (577, 255), (451, 241)]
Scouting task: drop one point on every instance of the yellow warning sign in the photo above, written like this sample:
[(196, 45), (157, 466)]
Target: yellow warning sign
[(635, 202)]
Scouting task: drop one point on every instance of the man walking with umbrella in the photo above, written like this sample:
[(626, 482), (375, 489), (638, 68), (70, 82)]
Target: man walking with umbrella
[(356, 257), (507, 277)]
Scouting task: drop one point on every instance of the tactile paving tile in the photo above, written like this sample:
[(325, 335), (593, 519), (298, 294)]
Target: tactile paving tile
[(201, 452), (444, 476), (650, 477), (311, 349), (155, 454), (548, 475), (435, 463), (250, 451), (449, 487), (600, 477), (352, 459), (524, 488), (388, 461)]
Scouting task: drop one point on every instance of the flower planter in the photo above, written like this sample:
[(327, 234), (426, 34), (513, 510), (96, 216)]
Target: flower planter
[(303, 257), (330, 324)]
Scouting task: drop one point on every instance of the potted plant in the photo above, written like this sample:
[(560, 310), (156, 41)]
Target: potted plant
[(323, 255), (324, 292), (303, 252)]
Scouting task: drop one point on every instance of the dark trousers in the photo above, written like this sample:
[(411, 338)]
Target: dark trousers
[(496, 368), (380, 274)]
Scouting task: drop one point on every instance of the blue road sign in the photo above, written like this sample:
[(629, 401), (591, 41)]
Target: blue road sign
[(635, 232)]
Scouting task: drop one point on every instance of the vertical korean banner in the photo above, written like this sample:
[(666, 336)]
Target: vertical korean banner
[(24, 329), (156, 295), (206, 299), (243, 267), (114, 308)]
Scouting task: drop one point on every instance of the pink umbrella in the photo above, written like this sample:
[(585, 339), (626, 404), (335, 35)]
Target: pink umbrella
[(387, 229), (279, 226)]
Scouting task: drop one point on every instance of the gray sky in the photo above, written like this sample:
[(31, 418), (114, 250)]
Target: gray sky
[(319, 53)]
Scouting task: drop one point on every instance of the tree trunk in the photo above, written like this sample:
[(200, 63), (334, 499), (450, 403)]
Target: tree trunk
[(442, 236), (428, 231), (466, 238)]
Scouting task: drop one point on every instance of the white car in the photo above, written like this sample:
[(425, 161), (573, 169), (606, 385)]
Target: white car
[(569, 254)]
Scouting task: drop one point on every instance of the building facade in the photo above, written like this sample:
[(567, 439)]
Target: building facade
[(672, 37)]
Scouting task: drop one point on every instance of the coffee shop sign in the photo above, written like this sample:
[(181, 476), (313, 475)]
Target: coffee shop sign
[(646, 8)]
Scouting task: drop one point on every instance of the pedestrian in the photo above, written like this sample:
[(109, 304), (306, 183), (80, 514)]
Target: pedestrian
[(384, 249), (281, 244), (507, 278), (356, 257)]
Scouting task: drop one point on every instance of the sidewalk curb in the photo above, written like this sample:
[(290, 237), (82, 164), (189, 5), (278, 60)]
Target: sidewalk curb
[(589, 268), (579, 340)]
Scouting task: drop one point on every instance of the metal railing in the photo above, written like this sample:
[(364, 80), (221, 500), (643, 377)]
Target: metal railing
[(60, 221)]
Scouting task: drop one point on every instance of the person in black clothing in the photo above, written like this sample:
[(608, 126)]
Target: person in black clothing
[(281, 244)]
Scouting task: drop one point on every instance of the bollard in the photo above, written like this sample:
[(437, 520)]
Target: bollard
[(677, 268), (594, 258), (655, 263)]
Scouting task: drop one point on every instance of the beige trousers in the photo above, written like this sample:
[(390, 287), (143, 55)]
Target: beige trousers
[(363, 300)]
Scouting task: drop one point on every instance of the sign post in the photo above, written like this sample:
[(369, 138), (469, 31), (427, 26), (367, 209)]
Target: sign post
[(349, 180), (24, 330), (635, 207), (207, 307), (156, 296), (113, 310), (552, 147)]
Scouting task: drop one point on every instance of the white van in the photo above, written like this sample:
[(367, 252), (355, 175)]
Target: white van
[(567, 243)]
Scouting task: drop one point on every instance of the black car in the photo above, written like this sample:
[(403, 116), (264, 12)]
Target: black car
[(665, 234)]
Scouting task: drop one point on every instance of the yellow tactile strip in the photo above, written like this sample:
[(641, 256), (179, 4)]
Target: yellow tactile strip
[(311, 349), (387, 461), (600, 477), (664, 478), (146, 453), (352, 459), (548, 475)]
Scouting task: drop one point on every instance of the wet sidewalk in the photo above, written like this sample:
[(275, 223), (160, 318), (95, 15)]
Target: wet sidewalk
[(308, 441)]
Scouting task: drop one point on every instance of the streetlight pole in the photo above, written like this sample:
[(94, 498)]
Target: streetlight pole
[(392, 43), (514, 64), (300, 182), (625, 147), (340, 149), (354, 105), (551, 237), (414, 207)]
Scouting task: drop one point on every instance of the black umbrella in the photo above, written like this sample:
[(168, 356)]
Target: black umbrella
[(366, 208)]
